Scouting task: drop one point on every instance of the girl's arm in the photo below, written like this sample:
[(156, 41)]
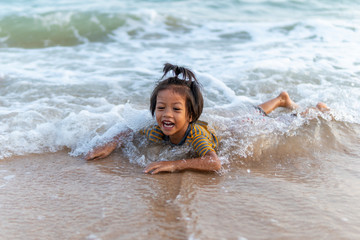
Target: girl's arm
[(209, 162), (105, 150)]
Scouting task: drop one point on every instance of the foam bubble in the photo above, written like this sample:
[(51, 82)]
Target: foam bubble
[(9, 177)]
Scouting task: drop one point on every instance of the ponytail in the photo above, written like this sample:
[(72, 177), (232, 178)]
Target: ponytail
[(187, 85), (186, 73)]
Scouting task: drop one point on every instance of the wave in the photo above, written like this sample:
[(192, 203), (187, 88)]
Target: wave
[(59, 28), (308, 140), (245, 138), (71, 28)]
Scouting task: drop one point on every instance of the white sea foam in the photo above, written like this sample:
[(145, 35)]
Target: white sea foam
[(9, 177)]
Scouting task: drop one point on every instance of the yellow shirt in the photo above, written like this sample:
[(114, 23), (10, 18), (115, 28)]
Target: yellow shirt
[(199, 135)]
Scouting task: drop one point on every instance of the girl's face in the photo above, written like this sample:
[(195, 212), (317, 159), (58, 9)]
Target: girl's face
[(171, 114)]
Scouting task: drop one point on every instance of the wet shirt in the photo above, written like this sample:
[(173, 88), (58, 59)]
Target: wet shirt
[(199, 135)]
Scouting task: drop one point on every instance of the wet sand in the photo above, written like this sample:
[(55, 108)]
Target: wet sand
[(55, 196)]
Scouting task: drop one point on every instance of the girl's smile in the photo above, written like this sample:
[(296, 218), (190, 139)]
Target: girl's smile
[(171, 114)]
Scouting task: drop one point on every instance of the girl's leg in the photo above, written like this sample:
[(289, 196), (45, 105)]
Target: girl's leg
[(322, 107), (283, 100)]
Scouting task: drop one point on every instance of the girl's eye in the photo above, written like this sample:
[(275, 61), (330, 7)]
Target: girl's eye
[(160, 108), (177, 109)]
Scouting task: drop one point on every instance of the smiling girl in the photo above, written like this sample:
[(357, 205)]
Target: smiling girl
[(177, 104)]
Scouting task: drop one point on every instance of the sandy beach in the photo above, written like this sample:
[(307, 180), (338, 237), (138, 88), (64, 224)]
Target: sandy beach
[(54, 196)]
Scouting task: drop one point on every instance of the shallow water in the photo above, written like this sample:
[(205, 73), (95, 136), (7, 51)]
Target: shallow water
[(52, 196), (74, 73)]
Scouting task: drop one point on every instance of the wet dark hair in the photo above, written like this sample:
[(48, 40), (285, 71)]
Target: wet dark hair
[(187, 86)]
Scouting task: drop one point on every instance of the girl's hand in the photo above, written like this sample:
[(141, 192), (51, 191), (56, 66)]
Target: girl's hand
[(102, 151), (210, 162), (105, 150), (156, 167)]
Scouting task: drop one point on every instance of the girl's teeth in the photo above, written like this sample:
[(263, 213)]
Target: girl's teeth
[(168, 124)]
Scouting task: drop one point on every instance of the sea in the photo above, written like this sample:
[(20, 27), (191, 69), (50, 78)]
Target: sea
[(73, 74)]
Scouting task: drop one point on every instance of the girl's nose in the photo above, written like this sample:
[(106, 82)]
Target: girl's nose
[(167, 112)]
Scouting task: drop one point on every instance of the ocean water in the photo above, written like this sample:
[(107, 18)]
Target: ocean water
[(74, 73)]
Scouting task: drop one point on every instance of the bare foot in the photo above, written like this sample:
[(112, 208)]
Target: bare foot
[(322, 107), (283, 100), (286, 102)]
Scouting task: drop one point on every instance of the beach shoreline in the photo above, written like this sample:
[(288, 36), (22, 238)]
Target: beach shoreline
[(56, 196)]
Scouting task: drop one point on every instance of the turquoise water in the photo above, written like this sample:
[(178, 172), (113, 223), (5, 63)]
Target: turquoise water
[(73, 73)]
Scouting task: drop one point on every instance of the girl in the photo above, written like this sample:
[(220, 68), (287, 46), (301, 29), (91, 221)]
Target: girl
[(177, 104)]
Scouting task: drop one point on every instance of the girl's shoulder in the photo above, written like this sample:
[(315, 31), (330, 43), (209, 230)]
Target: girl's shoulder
[(201, 123), (201, 128), (203, 138), (153, 132)]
